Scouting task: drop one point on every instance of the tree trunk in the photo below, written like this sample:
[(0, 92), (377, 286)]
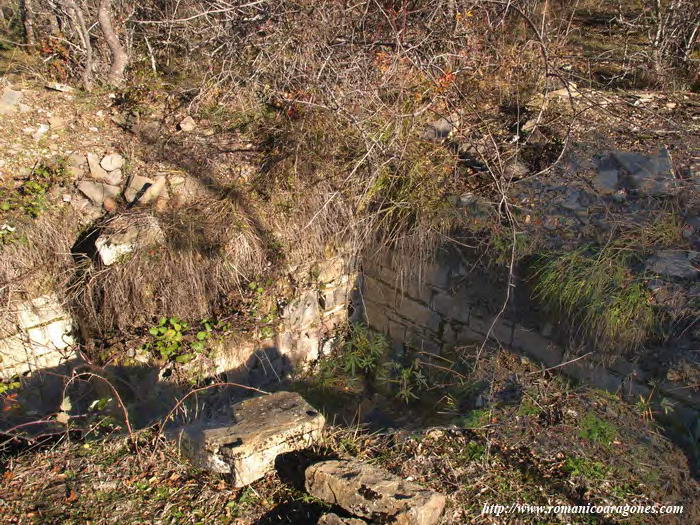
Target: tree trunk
[(27, 11), (119, 56), (77, 15)]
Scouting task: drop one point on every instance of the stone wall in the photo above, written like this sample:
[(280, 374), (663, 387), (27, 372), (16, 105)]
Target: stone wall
[(304, 331), (39, 335), (452, 303)]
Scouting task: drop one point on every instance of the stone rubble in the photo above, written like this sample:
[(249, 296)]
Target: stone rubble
[(673, 263), (374, 493), (111, 162), (646, 174), (97, 192), (187, 124), (9, 100)]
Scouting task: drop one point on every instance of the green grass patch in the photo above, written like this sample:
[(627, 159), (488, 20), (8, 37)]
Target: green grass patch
[(597, 430), (474, 419), (596, 289), (590, 470)]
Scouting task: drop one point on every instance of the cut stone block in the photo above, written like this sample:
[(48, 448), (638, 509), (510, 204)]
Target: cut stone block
[(42, 338), (374, 493), (262, 429)]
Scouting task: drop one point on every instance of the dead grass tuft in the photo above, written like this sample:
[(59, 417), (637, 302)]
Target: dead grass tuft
[(210, 251)]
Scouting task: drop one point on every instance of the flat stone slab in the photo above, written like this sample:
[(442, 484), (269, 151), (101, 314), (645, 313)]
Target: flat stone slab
[(262, 429), (9, 100), (673, 263), (97, 192), (374, 493)]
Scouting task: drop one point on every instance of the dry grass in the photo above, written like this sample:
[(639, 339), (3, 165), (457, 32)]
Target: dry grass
[(38, 261), (210, 252)]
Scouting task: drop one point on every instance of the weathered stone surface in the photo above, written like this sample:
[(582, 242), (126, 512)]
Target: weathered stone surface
[(112, 161), (262, 429), (96, 170), (672, 263), (57, 123), (139, 234), (57, 86), (374, 493), (154, 191), (137, 187), (9, 99), (649, 175), (304, 311), (440, 128), (187, 124), (41, 338), (97, 192), (334, 519), (607, 178)]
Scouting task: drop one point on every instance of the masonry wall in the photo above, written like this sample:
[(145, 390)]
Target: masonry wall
[(304, 332), (453, 303)]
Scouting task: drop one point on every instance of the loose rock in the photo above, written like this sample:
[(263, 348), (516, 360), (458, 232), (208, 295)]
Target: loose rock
[(111, 162), (57, 86), (187, 124), (374, 493), (97, 192), (137, 188), (334, 519), (263, 428), (96, 170), (126, 236), (9, 99), (673, 263)]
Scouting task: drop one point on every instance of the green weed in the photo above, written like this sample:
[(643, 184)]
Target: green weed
[(173, 340), (528, 408), (408, 380), (597, 430), (591, 470), (474, 419), (362, 350)]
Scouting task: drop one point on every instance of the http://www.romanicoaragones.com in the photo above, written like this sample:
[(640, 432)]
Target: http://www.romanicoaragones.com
[(620, 510)]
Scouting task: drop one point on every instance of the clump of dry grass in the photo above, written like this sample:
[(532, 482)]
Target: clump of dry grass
[(210, 251), (38, 260)]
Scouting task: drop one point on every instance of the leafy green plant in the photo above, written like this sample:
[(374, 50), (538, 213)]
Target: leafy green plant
[(30, 199), (528, 408), (171, 340), (473, 451), (474, 419), (407, 379), (363, 350), (597, 430), (6, 386)]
